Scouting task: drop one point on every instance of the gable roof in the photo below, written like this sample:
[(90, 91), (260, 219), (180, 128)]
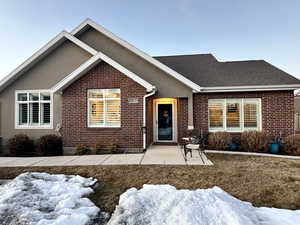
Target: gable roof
[(76, 74), (205, 70), (200, 72), (41, 53), (88, 22)]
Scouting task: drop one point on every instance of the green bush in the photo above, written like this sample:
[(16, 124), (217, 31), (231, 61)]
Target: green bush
[(21, 145), (82, 150), (50, 145), (255, 141), (219, 140), (292, 145), (112, 148)]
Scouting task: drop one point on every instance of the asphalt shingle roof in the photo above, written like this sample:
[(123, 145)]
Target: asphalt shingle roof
[(206, 71)]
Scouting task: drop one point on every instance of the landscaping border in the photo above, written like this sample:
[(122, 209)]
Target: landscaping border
[(252, 154)]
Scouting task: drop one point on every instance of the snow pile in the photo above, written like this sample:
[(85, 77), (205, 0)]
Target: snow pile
[(44, 199), (164, 204)]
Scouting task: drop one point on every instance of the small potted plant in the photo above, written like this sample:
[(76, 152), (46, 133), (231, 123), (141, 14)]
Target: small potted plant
[(275, 145), (235, 143)]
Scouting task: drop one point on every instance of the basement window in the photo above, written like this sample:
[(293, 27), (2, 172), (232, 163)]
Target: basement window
[(104, 108), (33, 109)]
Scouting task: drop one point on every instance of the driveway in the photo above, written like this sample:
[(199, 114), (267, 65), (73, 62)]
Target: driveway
[(155, 155)]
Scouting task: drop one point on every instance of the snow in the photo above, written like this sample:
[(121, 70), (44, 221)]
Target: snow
[(164, 204), (44, 199)]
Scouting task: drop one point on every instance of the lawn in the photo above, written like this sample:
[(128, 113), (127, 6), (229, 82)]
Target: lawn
[(263, 181)]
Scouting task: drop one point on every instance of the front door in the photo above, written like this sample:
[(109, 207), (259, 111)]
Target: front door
[(165, 121)]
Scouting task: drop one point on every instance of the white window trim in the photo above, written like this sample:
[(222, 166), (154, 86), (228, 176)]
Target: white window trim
[(104, 106), (28, 126), (224, 102)]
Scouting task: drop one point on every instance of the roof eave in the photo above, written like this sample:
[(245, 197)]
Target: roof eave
[(249, 88)]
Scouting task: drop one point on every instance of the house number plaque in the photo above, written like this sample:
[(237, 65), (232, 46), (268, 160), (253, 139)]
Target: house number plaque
[(133, 100)]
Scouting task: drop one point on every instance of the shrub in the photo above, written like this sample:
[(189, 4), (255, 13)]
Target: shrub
[(292, 145), (98, 149), (254, 141), (50, 145), (112, 148), (82, 150), (219, 140), (21, 145)]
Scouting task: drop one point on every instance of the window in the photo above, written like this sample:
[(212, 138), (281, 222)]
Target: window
[(234, 115), (33, 109), (104, 108)]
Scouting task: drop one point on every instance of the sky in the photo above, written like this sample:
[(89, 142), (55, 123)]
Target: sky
[(230, 29)]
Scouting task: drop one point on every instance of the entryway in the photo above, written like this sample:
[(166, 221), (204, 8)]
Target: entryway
[(165, 120)]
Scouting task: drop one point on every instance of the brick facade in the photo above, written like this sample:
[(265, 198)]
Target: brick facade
[(182, 117), (103, 76), (277, 110)]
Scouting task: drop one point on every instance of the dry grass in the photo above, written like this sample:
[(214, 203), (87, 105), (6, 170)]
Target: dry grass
[(263, 181)]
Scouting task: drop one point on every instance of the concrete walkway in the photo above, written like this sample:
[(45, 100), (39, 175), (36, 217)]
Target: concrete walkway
[(155, 155)]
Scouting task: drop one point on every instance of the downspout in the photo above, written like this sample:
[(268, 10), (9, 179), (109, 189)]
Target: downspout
[(144, 116)]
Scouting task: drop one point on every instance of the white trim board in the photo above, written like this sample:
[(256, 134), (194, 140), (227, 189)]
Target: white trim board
[(157, 102), (163, 67), (52, 44), (250, 88), (252, 154), (92, 62), (39, 126)]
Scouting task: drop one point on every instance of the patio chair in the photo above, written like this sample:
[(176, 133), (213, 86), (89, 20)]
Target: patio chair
[(195, 143)]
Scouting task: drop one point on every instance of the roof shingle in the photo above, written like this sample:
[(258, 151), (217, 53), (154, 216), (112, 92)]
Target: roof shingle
[(206, 71)]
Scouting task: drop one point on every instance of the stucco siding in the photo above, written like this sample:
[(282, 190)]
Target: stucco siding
[(136, 64), (54, 67)]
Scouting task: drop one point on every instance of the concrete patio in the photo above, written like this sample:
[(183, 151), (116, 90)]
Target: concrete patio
[(155, 155)]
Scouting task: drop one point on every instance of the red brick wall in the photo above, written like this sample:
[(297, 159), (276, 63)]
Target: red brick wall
[(182, 115), (149, 121), (75, 130), (277, 110)]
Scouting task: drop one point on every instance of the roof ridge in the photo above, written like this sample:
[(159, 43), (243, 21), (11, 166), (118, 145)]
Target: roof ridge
[(184, 55), (248, 60)]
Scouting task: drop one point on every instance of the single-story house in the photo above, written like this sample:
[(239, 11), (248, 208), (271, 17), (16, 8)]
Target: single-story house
[(92, 87)]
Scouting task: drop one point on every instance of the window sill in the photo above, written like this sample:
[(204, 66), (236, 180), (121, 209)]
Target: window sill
[(233, 131), (104, 127), (33, 127)]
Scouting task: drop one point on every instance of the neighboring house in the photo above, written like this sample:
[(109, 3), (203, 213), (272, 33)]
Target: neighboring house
[(92, 87), (297, 113)]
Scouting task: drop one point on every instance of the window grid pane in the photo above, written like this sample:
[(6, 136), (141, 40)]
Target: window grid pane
[(233, 115), (113, 112), (215, 115), (250, 115), (23, 108)]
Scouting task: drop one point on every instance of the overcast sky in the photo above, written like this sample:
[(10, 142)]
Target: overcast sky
[(230, 29)]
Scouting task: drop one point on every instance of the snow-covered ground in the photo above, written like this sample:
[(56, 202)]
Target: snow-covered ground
[(165, 205), (44, 199)]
